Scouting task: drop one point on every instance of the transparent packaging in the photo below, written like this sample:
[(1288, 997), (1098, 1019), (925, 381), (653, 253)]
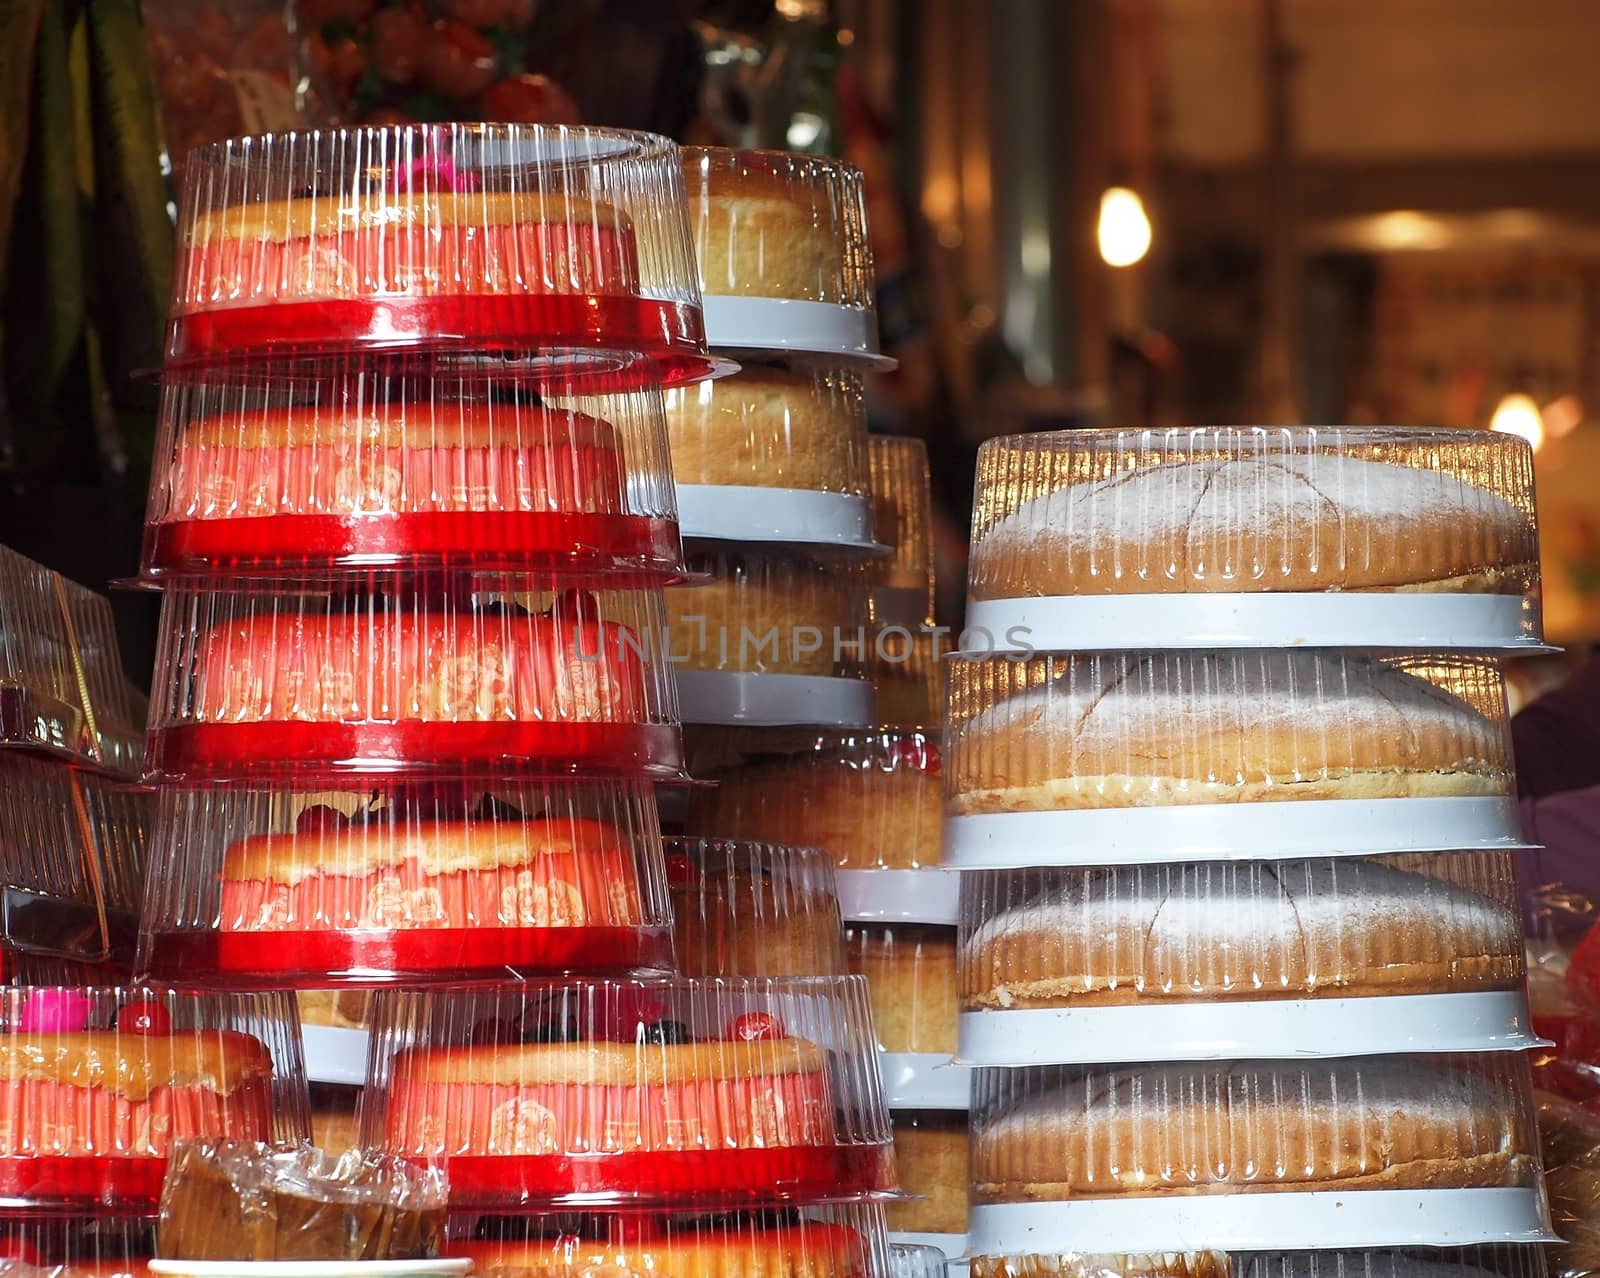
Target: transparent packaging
[(72, 861), (907, 672), (911, 974), (486, 236), (416, 671), (1425, 536), (707, 1093), (334, 1009), (1569, 1138), (902, 517), (869, 797), (335, 1128), (399, 880), (808, 1242), (62, 689), (98, 1083), (1200, 960), (1130, 737), (930, 1152), (1432, 1262), (742, 908), (912, 1260), (108, 1247), (361, 461)]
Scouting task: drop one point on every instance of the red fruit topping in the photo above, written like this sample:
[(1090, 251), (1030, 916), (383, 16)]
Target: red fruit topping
[(320, 818), (915, 753), (755, 1025), (144, 1016)]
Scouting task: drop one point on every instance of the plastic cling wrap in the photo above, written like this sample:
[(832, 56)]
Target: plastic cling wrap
[(400, 880), (668, 1093)]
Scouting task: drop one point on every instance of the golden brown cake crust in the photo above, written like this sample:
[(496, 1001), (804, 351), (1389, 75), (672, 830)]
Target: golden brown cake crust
[(911, 977), (731, 926), (461, 424), (134, 1065), (931, 1156), (1253, 1127), (767, 613), (816, 1251), (1203, 1264), (281, 220), (608, 1064)]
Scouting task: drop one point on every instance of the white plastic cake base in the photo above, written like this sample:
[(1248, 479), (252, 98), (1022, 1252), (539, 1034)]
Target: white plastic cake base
[(1272, 1029), (924, 1080), (1331, 619), (799, 328), (335, 1055), (732, 512), (1305, 1221), (772, 700), (1289, 829), (899, 896)]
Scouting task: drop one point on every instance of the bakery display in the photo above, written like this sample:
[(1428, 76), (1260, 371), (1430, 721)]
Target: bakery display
[(774, 425), (911, 974), (741, 908), (1224, 932), (871, 798), (1251, 1127), (1200, 1264), (1127, 512), (1175, 728), (930, 1151)]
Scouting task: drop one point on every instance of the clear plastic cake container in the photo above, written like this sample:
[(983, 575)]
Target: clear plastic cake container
[(687, 1094), (360, 461), (868, 797), (907, 669), (776, 453), (1256, 1155), (97, 1083), (1388, 537), (1421, 1262), (911, 976), (917, 1260), (781, 243), (839, 1240), (768, 637), (931, 1154), (439, 236), (109, 1247), (744, 908), (1109, 758), (417, 672), (394, 880), (62, 688), (902, 518), (1212, 960), (72, 861)]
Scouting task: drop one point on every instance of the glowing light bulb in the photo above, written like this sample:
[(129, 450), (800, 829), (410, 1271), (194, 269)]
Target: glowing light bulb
[(1517, 414), (1124, 229)]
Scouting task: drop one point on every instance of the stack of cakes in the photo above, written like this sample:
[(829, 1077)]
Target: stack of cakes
[(1228, 778), (413, 516)]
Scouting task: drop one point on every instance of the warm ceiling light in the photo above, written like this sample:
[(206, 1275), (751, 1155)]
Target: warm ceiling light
[(1124, 229), (1517, 414)]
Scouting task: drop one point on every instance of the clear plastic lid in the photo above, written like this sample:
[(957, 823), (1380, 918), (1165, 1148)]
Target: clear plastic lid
[(775, 453), (359, 461), (72, 861), (1205, 960), (98, 1083), (1569, 1138), (810, 1242), (930, 1152), (911, 975), (1235, 736), (902, 516), (742, 908), (414, 672), (781, 242), (916, 1260), (708, 1093), (405, 881), (1432, 1262), (870, 797), (908, 674), (62, 689), (489, 236), (108, 1247), (1409, 538)]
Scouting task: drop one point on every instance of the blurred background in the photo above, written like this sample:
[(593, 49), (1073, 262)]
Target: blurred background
[(1084, 212)]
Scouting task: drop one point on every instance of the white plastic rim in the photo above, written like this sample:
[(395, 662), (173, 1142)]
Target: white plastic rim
[(1298, 1221), (1286, 830), (801, 328), (954, 1246), (779, 516), (1272, 1029), (774, 700), (1327, 619), (924, 1080), (929, 895), (312, 1268), (335, 1055)]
